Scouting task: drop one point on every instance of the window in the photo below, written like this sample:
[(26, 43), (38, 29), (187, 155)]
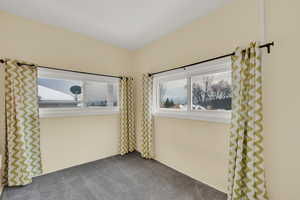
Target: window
[(211, 91), (173, 94), (57, 93), (201, 92), (101, 94), (71, 94)]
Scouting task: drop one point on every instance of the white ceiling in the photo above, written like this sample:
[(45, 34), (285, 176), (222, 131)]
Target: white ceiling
[(126, 23)]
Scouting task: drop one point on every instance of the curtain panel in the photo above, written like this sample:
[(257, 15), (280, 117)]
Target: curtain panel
[(127, 120), (23, 157), (147, 119), (246, 165)]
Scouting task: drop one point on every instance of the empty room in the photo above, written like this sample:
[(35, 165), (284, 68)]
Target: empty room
[(149, 100)]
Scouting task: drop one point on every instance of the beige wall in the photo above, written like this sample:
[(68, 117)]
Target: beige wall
[(199, 148), (281, 78), (65, 141)]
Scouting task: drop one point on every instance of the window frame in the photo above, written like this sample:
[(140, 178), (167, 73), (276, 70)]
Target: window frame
[(83, 110), (188, 73)]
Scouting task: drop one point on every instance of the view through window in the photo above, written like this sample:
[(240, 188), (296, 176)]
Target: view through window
[(58, 90), (100, 94), (212, 91), (173, 94), (59, 93)]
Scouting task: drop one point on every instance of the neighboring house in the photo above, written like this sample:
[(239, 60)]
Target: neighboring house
[(49, 97)]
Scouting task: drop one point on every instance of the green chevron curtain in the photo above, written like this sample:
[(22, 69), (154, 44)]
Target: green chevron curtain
[(246, 164), (127, 120), (23, 157), (147, 121)]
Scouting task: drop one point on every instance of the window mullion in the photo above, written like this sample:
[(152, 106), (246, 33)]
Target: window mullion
[(83, 94), (189, 95), (158, 96)]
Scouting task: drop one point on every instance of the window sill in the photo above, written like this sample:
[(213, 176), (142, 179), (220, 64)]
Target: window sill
[(210, 116), (74, 112)]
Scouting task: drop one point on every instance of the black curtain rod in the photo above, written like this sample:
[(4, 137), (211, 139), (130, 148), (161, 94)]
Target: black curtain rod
[(268, 46), (66, 70)]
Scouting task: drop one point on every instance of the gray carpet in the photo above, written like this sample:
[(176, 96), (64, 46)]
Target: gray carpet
[(115, 178)]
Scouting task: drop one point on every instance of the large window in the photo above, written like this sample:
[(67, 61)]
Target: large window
[(201, 92), (68, 94)]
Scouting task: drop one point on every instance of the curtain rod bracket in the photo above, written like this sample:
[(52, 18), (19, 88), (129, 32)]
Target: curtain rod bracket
[(269, 47)]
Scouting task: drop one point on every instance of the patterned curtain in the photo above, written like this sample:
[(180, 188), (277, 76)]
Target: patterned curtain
[(246, 164), (147, 121), (127, 137), (23, 157)]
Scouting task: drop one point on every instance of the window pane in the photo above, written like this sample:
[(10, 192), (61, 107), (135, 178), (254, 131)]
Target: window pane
[(56, 93), (101, 94), (212, 91), (173, 94)]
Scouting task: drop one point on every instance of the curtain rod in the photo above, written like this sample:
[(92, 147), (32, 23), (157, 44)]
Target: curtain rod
[(268, 46), (66, 70)]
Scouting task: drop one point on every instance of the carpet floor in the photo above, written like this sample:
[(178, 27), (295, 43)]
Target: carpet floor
[(115, 178)]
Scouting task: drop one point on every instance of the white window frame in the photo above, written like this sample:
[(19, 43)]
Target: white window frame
[(78, 111), (223, 65)]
